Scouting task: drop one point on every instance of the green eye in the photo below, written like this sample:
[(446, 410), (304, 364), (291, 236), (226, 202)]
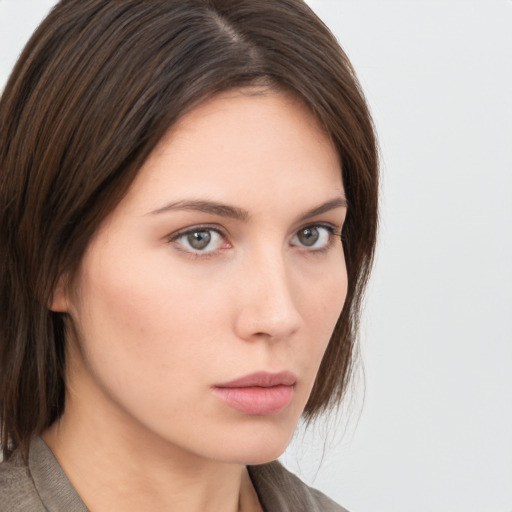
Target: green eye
[(199, 239), (316, 237), (308, 236)]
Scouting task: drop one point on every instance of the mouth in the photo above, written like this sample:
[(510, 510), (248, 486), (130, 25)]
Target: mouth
[(258, 394)]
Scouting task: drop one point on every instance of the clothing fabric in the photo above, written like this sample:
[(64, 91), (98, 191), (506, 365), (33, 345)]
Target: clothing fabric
[(42, 486)]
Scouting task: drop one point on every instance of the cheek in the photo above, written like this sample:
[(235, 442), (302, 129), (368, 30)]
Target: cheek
[(325, 295), (322, 307), (142, 314), (152, 323), (143, 334)]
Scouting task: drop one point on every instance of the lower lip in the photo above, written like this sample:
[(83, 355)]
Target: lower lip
[(256, 400)]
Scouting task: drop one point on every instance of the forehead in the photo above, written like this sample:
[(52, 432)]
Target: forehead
[(263, 142)]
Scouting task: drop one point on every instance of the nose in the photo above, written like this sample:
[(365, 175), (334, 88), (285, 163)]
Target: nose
[(267, 305)]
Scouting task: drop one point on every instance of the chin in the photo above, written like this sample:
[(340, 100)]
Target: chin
[(260, 446)]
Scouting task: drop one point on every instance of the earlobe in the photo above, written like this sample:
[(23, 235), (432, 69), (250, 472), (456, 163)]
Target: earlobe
[(59, 301)]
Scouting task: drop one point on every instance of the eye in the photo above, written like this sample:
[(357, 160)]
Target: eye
[(315, 236), (199, 239)]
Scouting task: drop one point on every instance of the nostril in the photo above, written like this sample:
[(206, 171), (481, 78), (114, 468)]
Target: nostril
[(266, 300), (258, 321)]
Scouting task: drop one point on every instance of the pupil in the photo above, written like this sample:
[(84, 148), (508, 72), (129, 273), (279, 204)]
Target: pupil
[(309, 236), (199, 239)]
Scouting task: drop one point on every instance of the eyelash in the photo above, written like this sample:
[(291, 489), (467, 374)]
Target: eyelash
[(334, 233)]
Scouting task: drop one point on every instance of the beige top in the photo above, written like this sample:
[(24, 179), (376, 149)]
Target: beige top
[(43, 487)]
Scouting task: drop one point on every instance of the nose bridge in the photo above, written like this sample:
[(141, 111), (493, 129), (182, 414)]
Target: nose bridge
[(268, 305)]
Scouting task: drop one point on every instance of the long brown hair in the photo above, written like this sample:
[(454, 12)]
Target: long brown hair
[(95, 89)]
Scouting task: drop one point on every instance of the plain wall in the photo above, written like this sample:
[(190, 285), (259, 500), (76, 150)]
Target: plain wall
[(431, 429)]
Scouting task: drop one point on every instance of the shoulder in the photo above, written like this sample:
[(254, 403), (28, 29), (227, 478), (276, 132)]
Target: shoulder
[(17, 490), (278, 489)]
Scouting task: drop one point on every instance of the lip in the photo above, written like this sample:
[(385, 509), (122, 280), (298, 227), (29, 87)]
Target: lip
[(260, 393), (262, 380)]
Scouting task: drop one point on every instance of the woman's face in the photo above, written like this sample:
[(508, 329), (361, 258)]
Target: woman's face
[(205, 302)]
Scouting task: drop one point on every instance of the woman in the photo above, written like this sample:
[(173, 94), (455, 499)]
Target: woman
[(175, 180)]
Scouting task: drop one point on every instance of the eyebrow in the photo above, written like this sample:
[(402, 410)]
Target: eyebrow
[(225, 210), (213, 207), (338, 202)]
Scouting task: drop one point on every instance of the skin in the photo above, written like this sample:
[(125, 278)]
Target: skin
[(155, 324)]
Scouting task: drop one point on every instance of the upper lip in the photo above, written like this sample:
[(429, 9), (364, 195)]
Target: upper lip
[(261, 379)]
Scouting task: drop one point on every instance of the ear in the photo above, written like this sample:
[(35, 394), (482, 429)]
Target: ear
[(59, 301)]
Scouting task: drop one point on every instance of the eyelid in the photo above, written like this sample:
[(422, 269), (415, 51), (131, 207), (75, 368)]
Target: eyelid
[(195, 227), (333, 227)]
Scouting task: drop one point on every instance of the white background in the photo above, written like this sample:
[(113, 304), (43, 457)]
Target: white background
[(434, 430)]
